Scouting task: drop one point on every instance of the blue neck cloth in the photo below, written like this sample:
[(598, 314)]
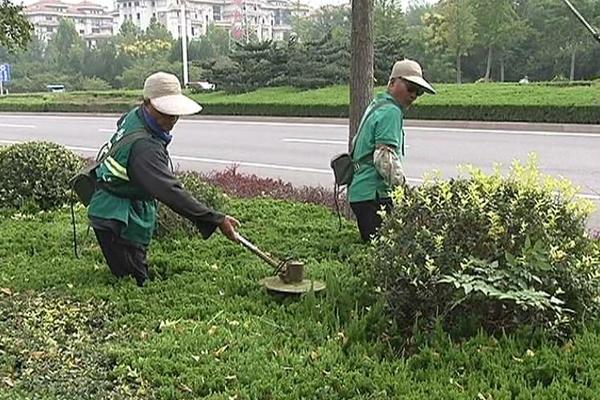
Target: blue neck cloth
[(155, 127)]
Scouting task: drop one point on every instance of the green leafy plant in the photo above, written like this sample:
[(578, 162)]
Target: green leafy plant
[(170, 223), (489, 251), (36, 175)]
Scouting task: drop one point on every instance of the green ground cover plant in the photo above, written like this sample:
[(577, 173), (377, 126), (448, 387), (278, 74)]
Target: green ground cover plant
[(486, 102), (203, 327)]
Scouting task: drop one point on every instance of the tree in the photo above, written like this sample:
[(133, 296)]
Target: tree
[(559, 38), (577, 40), (104, 61), (458, 29), (427, 41), (496, 20), (15, 29), (390, 32), (157, 31), (128, 31), (210, 46), (317, 64), (361, 65), (66, 49), (327, 20)]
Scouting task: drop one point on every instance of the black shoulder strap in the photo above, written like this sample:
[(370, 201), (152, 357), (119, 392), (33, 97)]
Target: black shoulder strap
[(363, 120), (124, 141)]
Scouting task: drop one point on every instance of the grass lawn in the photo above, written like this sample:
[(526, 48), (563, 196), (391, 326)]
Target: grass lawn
[(204, 328)]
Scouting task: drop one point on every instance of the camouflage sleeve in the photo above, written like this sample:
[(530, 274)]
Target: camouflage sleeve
[(388, 165)]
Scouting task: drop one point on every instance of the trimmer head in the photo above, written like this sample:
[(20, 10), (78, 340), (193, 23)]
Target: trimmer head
[(289, 275), (275, 284)]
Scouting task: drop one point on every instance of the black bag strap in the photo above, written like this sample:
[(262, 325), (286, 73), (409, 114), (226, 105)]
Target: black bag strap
[(122, 142), (366, 116)]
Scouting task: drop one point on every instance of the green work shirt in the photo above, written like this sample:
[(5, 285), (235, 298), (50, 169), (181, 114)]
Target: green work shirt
[(383, 126)]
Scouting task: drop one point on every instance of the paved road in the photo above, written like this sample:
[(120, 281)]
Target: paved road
[(299, 151)]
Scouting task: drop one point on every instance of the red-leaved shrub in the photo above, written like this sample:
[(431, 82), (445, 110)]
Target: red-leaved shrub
[(241, 185)]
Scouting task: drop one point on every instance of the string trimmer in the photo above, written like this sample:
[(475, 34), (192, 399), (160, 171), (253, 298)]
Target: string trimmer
[(289, 274)]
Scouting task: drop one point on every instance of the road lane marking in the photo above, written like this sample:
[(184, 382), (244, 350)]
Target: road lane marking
[(106, 130), (320, 141), (315, 141), (334, 125), (589, 196), (16, 126), (252, 164)]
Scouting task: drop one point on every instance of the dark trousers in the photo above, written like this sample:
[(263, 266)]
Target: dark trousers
[(124, 258), (367, 216)]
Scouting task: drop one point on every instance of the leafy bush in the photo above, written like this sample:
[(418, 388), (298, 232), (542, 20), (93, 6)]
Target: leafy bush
[(94, 83), (491, 252), (170, 223), (38, 83), (36, 175), (134, 76)]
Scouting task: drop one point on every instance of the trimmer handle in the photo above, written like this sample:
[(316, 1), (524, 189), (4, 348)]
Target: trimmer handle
[(247, 244)]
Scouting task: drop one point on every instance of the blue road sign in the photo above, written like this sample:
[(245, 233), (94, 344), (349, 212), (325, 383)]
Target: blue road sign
[(5, 72)]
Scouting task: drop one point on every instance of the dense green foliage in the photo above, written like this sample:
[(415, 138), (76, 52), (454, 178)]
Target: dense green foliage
[(489, 252), (36, 175), (15, 29), (203, 327), (170, 223)]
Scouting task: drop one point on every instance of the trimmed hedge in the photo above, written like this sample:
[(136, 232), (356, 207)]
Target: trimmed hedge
[(513, 113), (469, 102)]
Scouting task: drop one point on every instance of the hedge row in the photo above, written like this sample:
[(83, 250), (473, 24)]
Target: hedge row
[(517, 113)]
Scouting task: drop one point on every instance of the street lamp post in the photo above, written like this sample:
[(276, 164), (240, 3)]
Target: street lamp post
[(184, 55)]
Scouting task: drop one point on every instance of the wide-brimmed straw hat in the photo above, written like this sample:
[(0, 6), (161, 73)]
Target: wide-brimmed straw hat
[(411, 71), (164, 92)]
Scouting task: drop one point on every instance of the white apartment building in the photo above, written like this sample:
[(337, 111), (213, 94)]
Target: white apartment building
[(92, 21), (264, 19)]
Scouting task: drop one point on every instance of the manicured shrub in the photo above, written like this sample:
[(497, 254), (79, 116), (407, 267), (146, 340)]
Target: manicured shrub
[(489, 251), (36, 175), (170, 223)]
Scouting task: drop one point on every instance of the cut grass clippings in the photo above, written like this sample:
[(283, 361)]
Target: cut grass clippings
[(204, 328)]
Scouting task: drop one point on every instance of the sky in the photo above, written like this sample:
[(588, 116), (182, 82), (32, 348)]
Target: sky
[(313, 3)]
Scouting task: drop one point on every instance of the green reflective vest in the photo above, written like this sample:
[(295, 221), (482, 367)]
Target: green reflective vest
[(119, 199)]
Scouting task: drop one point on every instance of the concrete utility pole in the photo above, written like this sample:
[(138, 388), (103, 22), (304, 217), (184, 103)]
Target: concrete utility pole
[(590, 28), (184, 55)]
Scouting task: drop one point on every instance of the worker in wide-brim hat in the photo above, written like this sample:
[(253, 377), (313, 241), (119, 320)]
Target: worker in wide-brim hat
[(123, 209)]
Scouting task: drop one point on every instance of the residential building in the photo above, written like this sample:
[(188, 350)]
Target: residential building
[(92, 21), (263, 19)]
